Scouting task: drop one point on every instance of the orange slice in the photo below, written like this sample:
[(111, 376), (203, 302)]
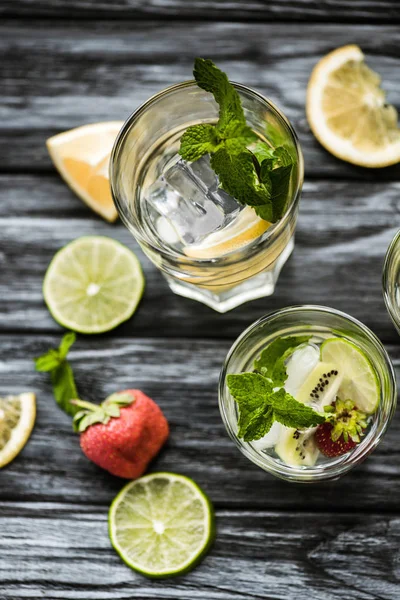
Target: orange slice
[(82, 157)]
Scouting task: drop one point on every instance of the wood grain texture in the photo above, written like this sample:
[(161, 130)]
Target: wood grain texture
[(56, 551), (373, 11), (65, 74), (343, 232), (182, 376)]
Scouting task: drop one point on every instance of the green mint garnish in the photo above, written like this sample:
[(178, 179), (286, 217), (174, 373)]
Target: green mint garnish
[(260, 403), (257, 177), (272, 360), (62, 377)]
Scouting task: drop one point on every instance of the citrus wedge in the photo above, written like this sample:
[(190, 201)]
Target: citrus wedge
[(246, 228), (93, 284), (82, 157), (161, 524), (347, 111), (360, 382), (17, 418)]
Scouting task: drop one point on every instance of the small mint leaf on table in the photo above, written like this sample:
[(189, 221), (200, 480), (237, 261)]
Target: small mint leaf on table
[(62, 377), (64, 388), (197, 141)]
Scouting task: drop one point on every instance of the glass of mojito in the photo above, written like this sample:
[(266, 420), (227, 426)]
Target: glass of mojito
[(391, 280), (307, 392), (207, 175)]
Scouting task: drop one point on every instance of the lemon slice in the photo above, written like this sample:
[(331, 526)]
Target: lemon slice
[(17, 417), (246, 228), (93, 284), (161, 524), (82, 157), (347, 111)]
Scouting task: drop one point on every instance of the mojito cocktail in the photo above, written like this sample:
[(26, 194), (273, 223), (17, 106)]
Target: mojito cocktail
[(207, 175)]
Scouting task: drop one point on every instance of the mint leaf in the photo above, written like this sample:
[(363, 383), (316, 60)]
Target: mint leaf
[(62, 377), (259, 406), (251, 389), (64, 388), (291, 413), (48, 361), (197, 141), (273, 357), (262, 151), (257, 424), (66, 343), (215, 81), (280, 181), (238, 178)]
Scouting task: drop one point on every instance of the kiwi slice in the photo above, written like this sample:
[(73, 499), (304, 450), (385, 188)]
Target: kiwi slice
[(296, 448), (321, 386)]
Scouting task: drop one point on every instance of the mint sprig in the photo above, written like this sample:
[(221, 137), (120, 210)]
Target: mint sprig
[(62, 377), (261, 399), (258, 176)]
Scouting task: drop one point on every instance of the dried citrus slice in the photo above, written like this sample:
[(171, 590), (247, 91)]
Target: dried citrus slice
[(82, 157), (348, 113), (246, 228), (17, 418)]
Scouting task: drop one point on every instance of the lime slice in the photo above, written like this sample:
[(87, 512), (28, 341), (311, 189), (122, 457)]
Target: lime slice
[(161, 524), (360, 382), (93, 284), (17, 417)]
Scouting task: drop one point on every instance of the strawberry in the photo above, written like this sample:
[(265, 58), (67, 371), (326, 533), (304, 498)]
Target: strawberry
[(123, 434), (342, 430), (328, 447)]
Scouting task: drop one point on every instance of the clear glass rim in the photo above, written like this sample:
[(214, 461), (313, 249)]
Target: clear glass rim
[(252, 247), (388, 274), (334, 470)]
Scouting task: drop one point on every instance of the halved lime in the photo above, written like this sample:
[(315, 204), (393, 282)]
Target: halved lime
[(161, 524), (360, 382), (17, 418), (93, 284)]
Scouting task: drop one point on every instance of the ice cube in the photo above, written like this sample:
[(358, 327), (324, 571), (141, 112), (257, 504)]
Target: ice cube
[(299, 366), (188, 196)]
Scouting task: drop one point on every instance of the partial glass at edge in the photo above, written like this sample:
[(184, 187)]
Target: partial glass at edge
[(323, 323), (148, 142), (391, 280)]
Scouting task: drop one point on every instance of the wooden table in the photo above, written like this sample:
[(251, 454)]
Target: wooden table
[(69, 62)]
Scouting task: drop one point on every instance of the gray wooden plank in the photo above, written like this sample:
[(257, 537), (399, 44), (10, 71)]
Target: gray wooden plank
[(55, 551), (374, 11), (343, 232), (68, 73), (181, 375)]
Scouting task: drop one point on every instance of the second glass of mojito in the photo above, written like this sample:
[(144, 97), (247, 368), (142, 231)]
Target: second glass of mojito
[(217, 219)]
